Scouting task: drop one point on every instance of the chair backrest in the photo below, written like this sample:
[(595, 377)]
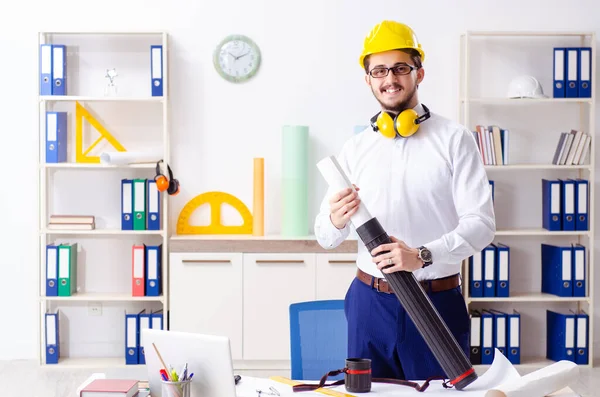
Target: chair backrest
[(318, 338)]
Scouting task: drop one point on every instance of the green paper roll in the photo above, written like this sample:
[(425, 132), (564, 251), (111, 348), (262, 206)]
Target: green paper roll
[(294, 186)]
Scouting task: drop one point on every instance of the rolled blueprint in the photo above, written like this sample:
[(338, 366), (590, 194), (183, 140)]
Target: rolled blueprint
[(539, 383), (409, 292), (152, 155), (337, 180)]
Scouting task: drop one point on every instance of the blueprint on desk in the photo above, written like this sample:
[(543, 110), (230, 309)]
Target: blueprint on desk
[(501, 377)]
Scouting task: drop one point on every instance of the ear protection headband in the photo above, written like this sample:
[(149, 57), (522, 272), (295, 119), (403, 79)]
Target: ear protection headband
[(170, 185), (404, 124)]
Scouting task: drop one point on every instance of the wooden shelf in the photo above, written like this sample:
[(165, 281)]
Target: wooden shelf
[(527, 362), (102, 33), (525, 101), (96, 166), (107, 232), (105, 253), (92, 362), (533, 167), (73, 98), (529, 297), (479, 99), (540, 232), (525, 33), (257, 244), (101, 297)]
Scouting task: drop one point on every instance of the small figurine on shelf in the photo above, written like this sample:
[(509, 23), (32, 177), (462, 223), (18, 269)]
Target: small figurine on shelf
[(111, 88)]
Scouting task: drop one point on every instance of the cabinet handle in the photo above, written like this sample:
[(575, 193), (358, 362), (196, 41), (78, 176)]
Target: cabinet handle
[(258, 261), (206, 261), (349, 262)]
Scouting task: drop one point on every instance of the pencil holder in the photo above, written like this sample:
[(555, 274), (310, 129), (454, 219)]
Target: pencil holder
[(176, 389)]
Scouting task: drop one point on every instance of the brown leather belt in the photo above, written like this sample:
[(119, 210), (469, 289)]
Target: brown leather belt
[(438, 285)]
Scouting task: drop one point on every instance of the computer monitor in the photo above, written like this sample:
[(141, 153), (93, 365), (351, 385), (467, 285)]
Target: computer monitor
[(208, 357)]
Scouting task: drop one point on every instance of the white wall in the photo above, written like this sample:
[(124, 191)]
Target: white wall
[(310, 75)]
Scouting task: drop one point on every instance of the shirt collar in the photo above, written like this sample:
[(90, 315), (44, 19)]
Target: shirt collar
[(419, 109)]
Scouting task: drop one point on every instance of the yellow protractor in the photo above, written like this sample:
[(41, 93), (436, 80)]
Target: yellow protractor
[(215, 200)]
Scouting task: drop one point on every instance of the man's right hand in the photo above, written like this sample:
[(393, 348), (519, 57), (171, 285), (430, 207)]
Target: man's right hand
[(342, 206)]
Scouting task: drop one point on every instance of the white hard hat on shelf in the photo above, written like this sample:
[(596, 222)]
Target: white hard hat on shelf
[(525, 87)]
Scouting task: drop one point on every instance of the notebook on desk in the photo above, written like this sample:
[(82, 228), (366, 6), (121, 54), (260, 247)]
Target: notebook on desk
[(110, 388)]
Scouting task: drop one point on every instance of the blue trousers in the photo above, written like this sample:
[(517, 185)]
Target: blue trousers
[(380, 329)]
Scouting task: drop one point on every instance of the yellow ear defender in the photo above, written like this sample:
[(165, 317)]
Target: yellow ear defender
[(404, 124)]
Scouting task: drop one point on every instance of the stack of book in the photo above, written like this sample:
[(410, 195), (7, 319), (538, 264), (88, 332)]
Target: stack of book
[(72, 222), (492, 142), (572, 148)]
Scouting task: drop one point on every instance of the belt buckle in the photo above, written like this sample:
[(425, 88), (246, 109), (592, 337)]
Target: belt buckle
[(376, 284)]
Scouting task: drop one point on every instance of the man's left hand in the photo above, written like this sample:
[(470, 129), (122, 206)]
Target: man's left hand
[(400, 257)]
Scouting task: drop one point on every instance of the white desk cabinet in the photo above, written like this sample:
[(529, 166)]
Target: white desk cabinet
[(334, 274), (207, 295), (271, 283), (246, 295)]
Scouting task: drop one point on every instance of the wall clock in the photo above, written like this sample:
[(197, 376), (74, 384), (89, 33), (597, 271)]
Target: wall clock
[(236, 58)]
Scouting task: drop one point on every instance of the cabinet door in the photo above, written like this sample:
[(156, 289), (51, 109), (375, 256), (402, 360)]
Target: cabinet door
[(206, 295), (334, 272), (271, 283)]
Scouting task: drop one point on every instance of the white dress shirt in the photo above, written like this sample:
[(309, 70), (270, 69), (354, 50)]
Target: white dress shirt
[(429, 189)]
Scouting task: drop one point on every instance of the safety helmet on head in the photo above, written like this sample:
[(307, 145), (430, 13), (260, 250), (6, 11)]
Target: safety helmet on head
[(525, 87), (390, 35)]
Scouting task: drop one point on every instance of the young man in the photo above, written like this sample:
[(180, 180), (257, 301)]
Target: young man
[(430, 192)]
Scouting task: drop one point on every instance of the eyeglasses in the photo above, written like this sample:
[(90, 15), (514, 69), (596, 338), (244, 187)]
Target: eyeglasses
[(398, 70)]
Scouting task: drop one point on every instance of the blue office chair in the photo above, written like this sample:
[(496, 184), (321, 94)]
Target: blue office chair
[(318, 339)]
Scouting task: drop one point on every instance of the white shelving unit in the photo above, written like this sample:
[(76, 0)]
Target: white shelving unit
[(484, 78), (104, 256)]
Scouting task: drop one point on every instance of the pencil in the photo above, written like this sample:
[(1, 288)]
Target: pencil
[(162, 361)]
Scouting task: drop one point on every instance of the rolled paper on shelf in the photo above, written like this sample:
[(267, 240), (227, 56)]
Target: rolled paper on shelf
[(258, 211), (122, 158), (542, 382), (409, 292), (294, 186)]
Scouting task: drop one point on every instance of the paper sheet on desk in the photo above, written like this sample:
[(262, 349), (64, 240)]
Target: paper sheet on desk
[(501, 378), (539, 383)]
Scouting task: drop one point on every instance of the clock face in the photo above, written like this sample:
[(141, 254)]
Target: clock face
[(237, 58)]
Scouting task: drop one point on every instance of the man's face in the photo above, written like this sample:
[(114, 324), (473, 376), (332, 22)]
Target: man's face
[(394, 92)]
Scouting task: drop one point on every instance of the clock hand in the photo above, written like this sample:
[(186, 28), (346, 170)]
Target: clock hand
[(236, 58)]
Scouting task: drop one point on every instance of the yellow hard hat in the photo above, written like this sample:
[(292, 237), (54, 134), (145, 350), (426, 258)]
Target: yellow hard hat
[(390, 35)]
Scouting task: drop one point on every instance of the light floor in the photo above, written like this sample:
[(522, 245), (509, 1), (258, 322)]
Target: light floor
[(25, 378)]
